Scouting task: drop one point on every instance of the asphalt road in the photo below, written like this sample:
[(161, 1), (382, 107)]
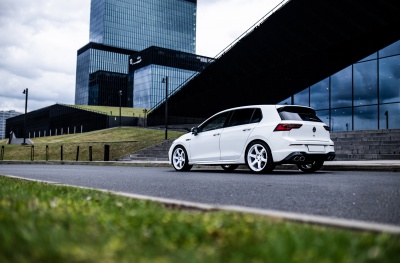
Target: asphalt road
[(367, 196)]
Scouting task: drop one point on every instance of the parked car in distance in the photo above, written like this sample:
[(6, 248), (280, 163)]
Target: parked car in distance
[(260, 136)]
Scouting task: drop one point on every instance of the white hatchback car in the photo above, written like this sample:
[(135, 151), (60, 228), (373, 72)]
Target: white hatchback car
[(260, 136)]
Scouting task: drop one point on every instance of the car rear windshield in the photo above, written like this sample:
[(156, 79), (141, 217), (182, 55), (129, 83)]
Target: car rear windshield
[(293, 113)]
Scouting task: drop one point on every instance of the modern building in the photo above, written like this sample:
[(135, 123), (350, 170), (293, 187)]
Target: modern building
[(119, 30), (362, 96), (155, 69), (341, 57), (59, 119), (4, 115)]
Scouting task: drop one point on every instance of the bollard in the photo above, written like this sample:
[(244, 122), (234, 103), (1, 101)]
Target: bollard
[(47, 152), (77, 153), (2, 153), (61, 152), (90, 154), (106, 153), (32, 153)]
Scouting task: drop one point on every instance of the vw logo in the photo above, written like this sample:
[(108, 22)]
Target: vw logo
[(314, 129)]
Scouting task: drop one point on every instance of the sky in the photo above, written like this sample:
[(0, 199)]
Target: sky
[(39, 42)]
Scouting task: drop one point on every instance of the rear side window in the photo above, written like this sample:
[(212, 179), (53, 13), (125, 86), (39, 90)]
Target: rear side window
[(245, 116), (298, 114)]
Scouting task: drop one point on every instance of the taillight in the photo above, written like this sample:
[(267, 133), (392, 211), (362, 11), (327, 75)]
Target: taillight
[(327, 128), (287, 126)]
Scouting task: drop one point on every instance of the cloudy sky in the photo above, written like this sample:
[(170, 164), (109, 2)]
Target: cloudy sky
[(39, 41)]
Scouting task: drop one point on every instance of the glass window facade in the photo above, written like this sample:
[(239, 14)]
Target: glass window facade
[(95, 58), (121, 28), (363, 96), (4, 115), (139, 24), (149, 86)]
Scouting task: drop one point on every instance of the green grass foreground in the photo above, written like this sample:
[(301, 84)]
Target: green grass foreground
[(50, 223), (121, 141)]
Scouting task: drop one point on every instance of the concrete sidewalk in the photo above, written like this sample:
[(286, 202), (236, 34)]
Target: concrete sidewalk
[(373, 165)]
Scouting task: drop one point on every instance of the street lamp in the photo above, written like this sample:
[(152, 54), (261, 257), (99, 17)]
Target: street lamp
[(120, 95), (26, 108), (165, 80)]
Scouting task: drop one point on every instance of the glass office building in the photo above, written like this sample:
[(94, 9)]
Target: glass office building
[(139, 24), (150, 68), (4, 115), (121, 28), (362, 96)]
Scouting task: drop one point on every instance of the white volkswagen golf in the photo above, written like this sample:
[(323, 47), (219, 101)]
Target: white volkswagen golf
[(260, 136)]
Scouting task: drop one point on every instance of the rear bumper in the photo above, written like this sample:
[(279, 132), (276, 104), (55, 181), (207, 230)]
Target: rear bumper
[(304, 158)]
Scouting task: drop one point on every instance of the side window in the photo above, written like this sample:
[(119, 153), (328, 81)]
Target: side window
[(257, 116), (240, 117), (216, 122)]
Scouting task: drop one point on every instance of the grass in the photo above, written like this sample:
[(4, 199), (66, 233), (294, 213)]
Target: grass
[(121, 141), (48, 223)]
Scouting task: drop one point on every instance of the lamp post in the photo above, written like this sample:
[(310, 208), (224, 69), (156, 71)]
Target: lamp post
[(120, 95), (26, 108), (387, 119), (165, 80)]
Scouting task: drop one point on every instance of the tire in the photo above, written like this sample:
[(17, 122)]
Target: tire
[(312, 167), (180, 160), (229, 167), (259, 157)]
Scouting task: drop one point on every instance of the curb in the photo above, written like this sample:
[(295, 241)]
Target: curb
[(376, 166)]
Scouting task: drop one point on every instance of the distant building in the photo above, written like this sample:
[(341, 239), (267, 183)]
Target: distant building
[(4, 115), (119, 32)]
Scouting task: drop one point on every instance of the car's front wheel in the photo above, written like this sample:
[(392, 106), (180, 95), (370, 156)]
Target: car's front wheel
[(180, 159), (311, 167), (229, 167), (259, 158)]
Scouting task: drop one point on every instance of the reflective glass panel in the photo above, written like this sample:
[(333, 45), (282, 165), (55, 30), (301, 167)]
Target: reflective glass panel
[(389, 79), (341, 88), (366, 118), (341, 119), (372, 56), (319, 95), (393, 49), (287, 101), (302, 98), (365, 83), (389, 116)]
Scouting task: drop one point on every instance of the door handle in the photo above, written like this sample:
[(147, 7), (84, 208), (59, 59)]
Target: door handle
[(216, 134), (246, 129)]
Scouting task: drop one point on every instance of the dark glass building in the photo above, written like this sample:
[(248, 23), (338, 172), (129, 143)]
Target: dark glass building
[(120, 29), (150, 67), (362, 96)]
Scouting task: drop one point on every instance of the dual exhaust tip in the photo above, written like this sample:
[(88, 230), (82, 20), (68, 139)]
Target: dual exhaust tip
[(299, 158)]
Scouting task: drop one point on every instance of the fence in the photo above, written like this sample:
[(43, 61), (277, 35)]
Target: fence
[(88, 151)]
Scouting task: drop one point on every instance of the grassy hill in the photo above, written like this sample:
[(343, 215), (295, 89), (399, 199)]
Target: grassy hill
[(121, 140)]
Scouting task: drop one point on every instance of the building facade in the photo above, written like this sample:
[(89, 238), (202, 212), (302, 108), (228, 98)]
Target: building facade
[(150, 68), (362, 96), (4, 115), (120, 29)]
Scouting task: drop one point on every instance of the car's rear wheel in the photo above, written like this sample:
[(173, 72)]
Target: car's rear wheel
[(229, 167), (311, 167), (180, 159), (259, 157)]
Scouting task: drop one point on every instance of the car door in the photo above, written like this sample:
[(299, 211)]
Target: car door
[(234, 136), (204, 146)]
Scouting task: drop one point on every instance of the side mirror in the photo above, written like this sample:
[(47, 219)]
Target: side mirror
[(195, 131)]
